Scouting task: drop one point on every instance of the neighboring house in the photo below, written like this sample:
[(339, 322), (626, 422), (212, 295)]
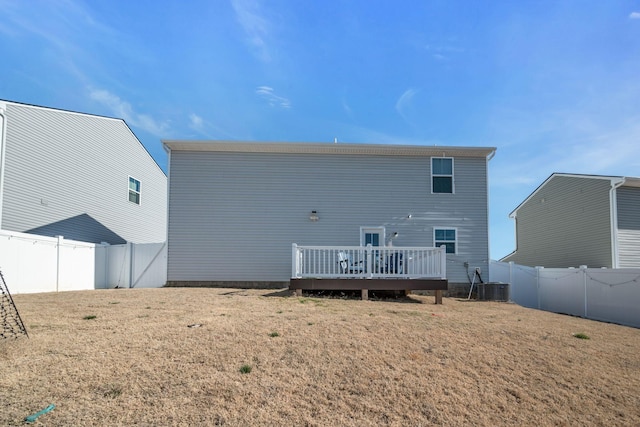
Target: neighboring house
[(572, 220), (235, 208), (77, 175)]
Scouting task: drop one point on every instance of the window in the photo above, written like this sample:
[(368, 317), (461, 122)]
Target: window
[(446, 237), (441, 175), (134, 190), (372, 235)]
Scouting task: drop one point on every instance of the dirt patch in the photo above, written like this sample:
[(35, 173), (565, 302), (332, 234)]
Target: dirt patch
[(261, 357)]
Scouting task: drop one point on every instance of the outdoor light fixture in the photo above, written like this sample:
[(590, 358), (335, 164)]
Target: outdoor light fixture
[(390, 238), (314, 216)]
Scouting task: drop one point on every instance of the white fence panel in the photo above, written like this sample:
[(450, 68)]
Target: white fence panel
[(149, 265), (610, 295), (561, 291), (526, 291), (614, 294), (132, 265), (76, 265), (32, 263)]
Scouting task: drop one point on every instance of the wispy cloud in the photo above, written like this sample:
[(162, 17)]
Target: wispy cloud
[(404, 102), (195, 122), (442, 52), (346, 108), (124, 110), (634, 15), (595, 151), (360, 134), (255, 26), (274, 100)]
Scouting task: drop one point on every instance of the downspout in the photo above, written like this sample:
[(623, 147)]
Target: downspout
[(3, 139), (166, 237), (613, 201), (489, 157)]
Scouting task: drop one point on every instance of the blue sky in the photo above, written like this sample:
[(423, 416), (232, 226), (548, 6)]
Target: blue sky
[(554, 85)]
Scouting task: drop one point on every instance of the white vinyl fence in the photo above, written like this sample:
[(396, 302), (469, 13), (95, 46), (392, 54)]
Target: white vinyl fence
[(132, 265), (610, 295), (32, 263)]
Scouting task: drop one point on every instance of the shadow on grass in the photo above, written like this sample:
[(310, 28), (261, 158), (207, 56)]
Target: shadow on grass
[(391, 296), (286, 292)]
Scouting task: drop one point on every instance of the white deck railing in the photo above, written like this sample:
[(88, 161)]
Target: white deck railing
[(368, 262)]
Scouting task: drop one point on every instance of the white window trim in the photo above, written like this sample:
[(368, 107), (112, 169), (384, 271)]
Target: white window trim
[(453, 169), (139, 192), (377, 229), (456, 241)]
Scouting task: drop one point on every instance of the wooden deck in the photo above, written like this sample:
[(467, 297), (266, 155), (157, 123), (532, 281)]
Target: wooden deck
[(364, 285)]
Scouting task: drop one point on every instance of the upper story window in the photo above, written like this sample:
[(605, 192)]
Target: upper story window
[(442, 175), (134, 190), (446, 237)]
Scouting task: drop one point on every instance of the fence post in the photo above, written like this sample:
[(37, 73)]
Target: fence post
[(511, 286), (58, 246), (131, 263), (583, 269), (443, 262), (538, 268), (369, 264)]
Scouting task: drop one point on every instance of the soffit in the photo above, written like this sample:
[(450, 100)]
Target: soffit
[(327, 148)]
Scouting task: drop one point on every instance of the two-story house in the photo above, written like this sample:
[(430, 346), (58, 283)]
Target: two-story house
[(235, 208), (77, 175), (572, 220)]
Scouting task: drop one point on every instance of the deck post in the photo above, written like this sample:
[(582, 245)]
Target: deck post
[(438, 297), (443, 261), (294, 261), (365, 294)]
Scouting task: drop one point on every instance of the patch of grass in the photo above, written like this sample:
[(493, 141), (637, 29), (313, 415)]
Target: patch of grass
[(310, 323), (581, 336), (274, 334), (114, 302), (245, 369), (148, 307), (90, 317), (112, 391), (279, 312)]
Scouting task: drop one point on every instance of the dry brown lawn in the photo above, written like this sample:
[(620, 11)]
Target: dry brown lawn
[(314, 361)]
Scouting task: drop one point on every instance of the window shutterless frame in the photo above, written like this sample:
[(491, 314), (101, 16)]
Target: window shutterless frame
[(442, 175), (134, 190), (446, 236)]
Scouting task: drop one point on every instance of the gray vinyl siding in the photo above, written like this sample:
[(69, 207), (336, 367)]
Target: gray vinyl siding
[(628, 205), (234, 216), (67, 174), (566, 223)]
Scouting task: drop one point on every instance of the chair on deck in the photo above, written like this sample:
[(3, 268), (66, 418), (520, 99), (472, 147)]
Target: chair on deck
[(347, 266), (394, 264)]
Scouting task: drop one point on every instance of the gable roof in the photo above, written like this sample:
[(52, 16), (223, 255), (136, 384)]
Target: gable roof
[(615, 180), (4, 102), (328, 148)]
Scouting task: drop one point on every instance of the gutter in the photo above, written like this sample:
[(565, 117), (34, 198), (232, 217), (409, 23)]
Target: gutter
[(613, 201), (3, 140)]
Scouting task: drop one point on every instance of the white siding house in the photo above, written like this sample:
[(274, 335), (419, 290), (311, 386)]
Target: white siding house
[(235, 208), (572, 220), (84, 177)]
